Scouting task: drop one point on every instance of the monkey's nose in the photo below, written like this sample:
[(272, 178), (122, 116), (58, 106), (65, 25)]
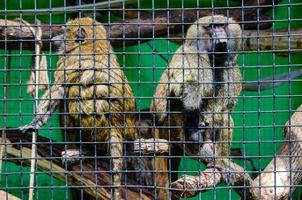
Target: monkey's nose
[(221, 45)]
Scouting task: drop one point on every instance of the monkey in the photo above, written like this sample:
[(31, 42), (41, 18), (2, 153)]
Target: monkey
[(98, 102), (196, 93)]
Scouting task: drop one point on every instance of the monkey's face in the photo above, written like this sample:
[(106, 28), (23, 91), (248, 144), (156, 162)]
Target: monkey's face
[(212, 138), (216, 35), (78, 33), (200, 141), (210, 142)]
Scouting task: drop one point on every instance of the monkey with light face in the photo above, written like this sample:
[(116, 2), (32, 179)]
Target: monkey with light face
[(97, 101), (198, 90)]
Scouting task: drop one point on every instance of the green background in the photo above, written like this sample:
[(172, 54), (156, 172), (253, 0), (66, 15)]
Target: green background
[(259, 116)]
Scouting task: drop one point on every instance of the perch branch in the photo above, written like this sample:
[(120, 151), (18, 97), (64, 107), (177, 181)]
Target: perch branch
[(7, 196), (206, 180), (285, 168), (281, 41), (277, 181), (49, 161), (152, 145), (134, 30), (57, 171)]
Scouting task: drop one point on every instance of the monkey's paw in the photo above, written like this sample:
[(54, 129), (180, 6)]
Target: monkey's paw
[(70, 156), (28, 128)]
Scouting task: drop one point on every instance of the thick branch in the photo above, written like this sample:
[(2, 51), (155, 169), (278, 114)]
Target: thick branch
[(281, 41), (7, 196), (277, 181), (152, 145), (131, 31), (285, 169), (205, 181), (49, 161)]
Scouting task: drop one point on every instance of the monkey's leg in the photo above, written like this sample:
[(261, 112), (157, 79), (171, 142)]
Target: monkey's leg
[(116, 152), (167, 172), (47, 105), (161, 178)]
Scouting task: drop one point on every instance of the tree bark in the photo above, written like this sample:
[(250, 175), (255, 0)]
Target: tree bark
[(149, 26), (278, 180), (94, 178)]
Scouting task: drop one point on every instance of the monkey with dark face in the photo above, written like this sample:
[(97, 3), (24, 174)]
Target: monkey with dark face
[(97, 100), (198, 90)]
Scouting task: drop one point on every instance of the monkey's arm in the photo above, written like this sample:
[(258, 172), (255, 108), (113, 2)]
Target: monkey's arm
[(197, 79), (47, 105), (232, 89), (159, 103)]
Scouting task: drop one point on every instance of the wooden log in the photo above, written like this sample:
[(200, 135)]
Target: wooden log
[(133, 30), (206, 180), (280, 178), (152, 145), (7, 196), (80, 174), (277, 181), (282, 42)]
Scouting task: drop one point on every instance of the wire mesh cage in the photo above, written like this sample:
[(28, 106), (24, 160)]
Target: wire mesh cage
[(174, 99)]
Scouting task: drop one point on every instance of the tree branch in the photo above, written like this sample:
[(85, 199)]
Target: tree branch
[(277, 181), (49, 161), (152, 145), (7, 196), (146, 27)]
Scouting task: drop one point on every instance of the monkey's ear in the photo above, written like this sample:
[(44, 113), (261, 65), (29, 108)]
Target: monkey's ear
[(81, 35)]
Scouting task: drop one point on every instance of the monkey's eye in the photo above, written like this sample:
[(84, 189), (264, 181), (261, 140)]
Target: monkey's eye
[(81, 35), (211, 26)]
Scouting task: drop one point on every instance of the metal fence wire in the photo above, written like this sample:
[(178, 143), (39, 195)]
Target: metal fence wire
[(172, 99)]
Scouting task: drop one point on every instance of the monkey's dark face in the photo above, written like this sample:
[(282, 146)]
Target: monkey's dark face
[(200, 142), (219, 43), (216, 36)]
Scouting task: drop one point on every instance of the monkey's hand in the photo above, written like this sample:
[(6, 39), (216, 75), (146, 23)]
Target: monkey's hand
[(33, 126), (74, 156), (47, 105)]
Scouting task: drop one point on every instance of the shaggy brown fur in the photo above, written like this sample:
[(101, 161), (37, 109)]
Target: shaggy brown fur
[(95, 96), (199, 85)]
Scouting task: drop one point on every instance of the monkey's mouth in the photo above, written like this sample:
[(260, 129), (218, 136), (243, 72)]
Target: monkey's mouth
[(221, 49)]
